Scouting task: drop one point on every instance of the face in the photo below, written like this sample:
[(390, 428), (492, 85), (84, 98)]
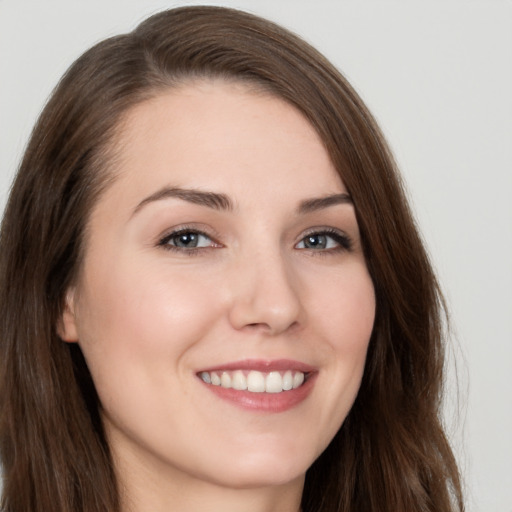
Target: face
[(224, 256)]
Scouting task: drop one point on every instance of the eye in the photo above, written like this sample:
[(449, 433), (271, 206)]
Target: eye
[(186, 239), (325, 240)]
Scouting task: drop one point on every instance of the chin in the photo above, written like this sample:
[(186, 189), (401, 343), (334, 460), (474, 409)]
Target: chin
[(253, 478), (262, 470)]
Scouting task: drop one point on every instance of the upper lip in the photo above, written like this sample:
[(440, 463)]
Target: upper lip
[(262, 365)]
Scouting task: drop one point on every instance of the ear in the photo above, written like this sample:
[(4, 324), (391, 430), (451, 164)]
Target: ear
[(66, 325)]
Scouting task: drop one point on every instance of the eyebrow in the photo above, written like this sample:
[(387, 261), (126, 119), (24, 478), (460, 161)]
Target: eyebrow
[(219, 201), (315, 204), (208, 199)]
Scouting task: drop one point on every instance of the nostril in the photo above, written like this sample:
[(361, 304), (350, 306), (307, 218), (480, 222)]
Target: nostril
[(270, 328)]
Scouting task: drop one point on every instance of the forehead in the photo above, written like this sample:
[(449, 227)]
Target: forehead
[(225, 136)]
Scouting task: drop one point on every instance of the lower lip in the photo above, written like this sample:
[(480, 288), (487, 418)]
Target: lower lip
[(265, 402)]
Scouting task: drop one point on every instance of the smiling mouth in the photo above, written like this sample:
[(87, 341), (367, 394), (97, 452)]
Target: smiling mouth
[(255, 381)]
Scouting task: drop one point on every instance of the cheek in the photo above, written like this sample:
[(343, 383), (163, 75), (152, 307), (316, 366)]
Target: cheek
[(137, 330), (132, 321), (144, 302), (352, 326), (345, 309), (344, 316)]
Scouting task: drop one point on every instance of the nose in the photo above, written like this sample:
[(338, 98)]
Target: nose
[(265, 295)]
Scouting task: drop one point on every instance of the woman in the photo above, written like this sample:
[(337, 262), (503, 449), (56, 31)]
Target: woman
[(214, 294)]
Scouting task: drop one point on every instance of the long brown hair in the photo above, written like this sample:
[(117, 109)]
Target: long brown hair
[(391, 454)]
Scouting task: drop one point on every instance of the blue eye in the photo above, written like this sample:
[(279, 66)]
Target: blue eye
[(186, 239), (325, 240)]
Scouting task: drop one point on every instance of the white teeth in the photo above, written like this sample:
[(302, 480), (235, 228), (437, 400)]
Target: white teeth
[(206, 377), (287, 381), (298, 379), (254, 381), (239, 381), (274, 383), (225, 380)]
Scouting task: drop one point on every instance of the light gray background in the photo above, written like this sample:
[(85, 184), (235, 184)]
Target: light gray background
[(438, 77)]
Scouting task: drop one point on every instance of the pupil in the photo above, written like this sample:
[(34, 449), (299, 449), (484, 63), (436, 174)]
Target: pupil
[(187, 240), (314, 241)]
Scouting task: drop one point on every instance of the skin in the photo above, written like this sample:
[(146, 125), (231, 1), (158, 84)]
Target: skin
[(149, 317)]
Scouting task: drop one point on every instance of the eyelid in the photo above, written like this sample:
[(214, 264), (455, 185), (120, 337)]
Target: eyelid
[(344, 241), (163, 239)]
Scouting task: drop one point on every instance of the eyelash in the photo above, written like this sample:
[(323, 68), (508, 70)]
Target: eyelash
[(343, 241), (164, 241)]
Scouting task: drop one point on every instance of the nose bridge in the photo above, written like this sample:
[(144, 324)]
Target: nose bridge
[(265, 291)]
